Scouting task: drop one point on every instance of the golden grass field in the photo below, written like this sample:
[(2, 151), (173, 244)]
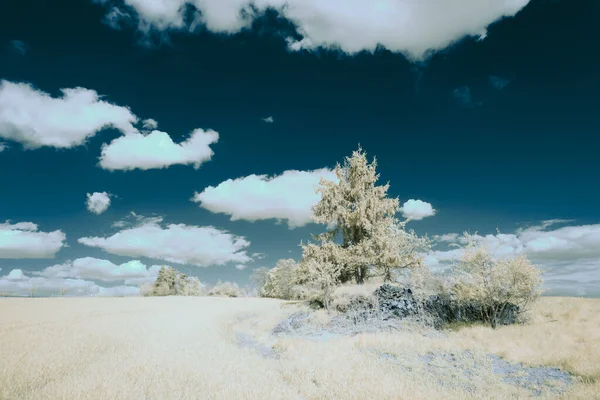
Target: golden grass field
[(184, 348)]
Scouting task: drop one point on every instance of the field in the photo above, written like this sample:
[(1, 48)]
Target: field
[(202, 348)]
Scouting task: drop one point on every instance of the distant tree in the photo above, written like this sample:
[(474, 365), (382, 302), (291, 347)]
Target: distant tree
[(281, 281), (259, 278), (166, 282), (494, 283), (225, 289)]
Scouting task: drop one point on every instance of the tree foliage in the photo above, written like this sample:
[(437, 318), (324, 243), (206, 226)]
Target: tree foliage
[(356, 208), (170, 282), (282, 281)]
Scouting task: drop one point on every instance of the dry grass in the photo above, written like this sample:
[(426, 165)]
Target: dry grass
[(184, 348)]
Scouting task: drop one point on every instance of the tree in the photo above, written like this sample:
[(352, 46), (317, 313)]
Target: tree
[(282, 280), (361, 211), (166, 282), (494, 283), (259, 278), (321, 269), (226, 289)]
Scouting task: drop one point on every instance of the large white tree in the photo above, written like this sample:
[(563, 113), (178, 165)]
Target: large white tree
[(372, 238)]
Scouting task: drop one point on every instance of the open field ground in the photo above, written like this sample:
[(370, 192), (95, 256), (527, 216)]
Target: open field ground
[(221, 348)]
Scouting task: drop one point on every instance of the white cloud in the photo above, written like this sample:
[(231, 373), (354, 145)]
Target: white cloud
[(410, 27), (15, 275), (101, 270), (36, 119), (269, 120), (157, 150), (177, 243), (98, 202), (118, 291), (3, 146), (287, 197), (16, 283), (417, 209), (149, 124), (41, 286), (241, 267), (22, 240)]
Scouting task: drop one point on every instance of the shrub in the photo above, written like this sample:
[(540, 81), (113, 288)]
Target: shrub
[(226, 289), (495, 285)]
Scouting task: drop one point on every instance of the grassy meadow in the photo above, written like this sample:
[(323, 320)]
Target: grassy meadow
[(185, 348)]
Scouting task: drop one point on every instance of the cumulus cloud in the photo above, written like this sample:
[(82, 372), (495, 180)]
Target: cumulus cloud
[(565, 254), (22, 240), (149, 124), (177, 243), (36, 119), (287, 197), (241, 267), (157, 150), (411, 27), (16, 283), (269, 120), (3, 146), (417, 209), (102, 270), (98, 202), (118, 291)]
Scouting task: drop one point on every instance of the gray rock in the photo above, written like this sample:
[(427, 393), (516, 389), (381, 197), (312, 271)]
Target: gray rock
[(399, 302)]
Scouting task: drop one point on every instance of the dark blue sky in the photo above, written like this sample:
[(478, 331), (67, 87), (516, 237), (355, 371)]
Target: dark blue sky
[(495, 132)]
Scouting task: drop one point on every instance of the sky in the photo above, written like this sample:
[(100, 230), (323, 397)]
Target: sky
[(140, 133)]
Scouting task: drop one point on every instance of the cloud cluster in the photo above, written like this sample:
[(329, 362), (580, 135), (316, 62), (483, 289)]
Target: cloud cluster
[(36, 119), (287, 197), (177, 243), (89, 268), (98, 202), (417, 209), (23, 240), (411, 27), (16, 283), (157, 150)]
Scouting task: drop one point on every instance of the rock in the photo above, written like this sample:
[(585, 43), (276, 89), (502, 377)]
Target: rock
[(399, 302)]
